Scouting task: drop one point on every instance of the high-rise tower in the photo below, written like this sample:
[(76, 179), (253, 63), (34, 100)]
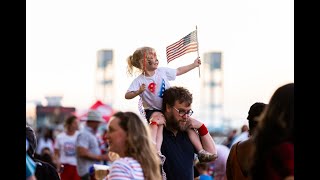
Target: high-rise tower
[(212, 90), (104, 76)]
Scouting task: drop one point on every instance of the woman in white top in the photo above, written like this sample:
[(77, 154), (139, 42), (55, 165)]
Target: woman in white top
[(46, 141), (65, 150), (130, 138)]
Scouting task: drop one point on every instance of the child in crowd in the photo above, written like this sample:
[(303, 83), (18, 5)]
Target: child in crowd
[(150, 85), (203, 169)]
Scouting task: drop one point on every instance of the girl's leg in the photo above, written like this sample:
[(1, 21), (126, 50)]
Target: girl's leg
[(159, 137), (156, 130)]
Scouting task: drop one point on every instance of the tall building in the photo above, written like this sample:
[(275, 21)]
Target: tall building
[(104, 90), (212, 91)]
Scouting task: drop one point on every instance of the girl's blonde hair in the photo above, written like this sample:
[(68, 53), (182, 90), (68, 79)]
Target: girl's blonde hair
[(136, 60), (139, 144)]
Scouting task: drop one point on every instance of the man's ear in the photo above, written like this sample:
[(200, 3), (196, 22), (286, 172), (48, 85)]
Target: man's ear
[(168, 108)]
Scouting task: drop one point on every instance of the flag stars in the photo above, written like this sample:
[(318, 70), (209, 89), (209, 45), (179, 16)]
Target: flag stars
[(163, 87)]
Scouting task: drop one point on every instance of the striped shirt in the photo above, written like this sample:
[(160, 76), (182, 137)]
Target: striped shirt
[(125, 168)]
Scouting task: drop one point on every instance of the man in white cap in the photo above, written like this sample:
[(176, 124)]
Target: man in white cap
[(87, 145)]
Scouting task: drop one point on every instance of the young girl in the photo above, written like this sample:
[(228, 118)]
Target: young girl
[(150, 85)]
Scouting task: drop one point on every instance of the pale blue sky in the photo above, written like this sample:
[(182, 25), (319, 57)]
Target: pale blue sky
[(256, 38)]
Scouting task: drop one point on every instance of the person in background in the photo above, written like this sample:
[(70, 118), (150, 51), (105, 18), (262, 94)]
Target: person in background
[(244, 135), (217, 168), (44, 171), (87, 145), (231, 136), (102, 138), (30, 165), (273, 155), (130, 138), (65, 149), (46, 156), (176, 146), (30, 168), (203, 169), (46, 140), (244, 128), (240, 154), (196, 173)]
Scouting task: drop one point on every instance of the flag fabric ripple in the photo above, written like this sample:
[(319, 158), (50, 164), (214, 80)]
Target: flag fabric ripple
[(187, 44)]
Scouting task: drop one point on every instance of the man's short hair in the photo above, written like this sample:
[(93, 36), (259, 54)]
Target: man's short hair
[(173, 94)]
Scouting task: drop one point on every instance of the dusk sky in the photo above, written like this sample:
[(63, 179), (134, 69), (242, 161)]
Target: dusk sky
[(256, 38)]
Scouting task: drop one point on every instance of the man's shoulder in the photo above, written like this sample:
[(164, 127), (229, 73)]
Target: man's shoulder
[(84, 132), (85, 135)]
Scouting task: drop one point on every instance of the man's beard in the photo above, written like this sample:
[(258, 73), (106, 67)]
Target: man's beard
[(173, 124)]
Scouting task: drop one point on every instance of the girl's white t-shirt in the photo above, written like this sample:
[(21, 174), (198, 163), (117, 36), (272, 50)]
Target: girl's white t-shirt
[(155, 86)]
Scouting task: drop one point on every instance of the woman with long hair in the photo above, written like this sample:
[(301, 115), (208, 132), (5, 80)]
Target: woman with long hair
[(130, 138), (273, 157)]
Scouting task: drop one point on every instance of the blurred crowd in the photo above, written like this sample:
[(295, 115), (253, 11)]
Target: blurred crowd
[(122, 148)]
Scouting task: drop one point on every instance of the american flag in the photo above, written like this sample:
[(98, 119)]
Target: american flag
[(187, 44)]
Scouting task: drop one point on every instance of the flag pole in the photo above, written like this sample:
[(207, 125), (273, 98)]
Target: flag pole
[(198, 48)]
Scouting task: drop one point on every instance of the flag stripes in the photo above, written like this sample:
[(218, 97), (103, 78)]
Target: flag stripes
[(185, 45), (184, 50)]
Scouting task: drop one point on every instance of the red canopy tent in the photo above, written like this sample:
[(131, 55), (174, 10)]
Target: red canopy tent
[(106, 111)]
